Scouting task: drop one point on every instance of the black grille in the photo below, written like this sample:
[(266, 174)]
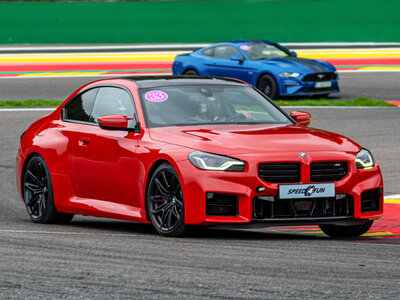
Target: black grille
[(328, 171), (370, 200), (303, 208), (279, 172), (320, 77), (313, 89)]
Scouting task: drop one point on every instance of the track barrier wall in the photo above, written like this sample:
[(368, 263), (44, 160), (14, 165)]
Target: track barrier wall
[(199, 21)]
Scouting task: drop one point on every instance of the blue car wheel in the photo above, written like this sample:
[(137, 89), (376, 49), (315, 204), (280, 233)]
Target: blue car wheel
[(268, 86), (190, 72)]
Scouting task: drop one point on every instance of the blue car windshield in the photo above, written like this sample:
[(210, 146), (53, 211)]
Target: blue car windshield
[(200, 104), (259, 51)]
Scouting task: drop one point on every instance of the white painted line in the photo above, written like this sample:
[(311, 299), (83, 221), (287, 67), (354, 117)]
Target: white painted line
[(366, 71), (122, 47), (62, 232), (29, 109), (393, 197)]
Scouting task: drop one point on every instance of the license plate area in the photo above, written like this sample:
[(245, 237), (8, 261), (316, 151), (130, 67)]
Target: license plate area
[(323, 84), (304, 191)]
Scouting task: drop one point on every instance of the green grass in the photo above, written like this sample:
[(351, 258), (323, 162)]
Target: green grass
[(362, 101), (29, 103)]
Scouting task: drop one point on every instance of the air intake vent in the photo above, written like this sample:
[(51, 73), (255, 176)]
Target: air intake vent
[(218, 204), (370, 200), (328, 171), (279, 172)]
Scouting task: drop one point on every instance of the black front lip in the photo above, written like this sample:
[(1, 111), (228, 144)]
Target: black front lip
[(262, 223)]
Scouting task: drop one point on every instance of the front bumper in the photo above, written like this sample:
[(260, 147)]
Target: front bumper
[(297, 87), (197, 184)]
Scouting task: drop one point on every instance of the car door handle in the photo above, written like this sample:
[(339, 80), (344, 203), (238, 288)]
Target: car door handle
[(83, 142)]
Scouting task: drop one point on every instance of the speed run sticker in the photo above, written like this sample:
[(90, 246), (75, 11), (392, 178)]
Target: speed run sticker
[(244, 47), (156, 96)]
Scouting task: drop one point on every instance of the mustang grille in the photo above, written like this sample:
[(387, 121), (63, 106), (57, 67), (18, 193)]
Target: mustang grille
[(279, 172), (319, 77), (328, 171)]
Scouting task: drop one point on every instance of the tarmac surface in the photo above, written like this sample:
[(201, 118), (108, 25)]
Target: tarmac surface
[(95, 258), (374, 85)]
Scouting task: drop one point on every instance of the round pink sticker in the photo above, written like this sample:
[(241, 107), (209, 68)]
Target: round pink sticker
[(156, 96), (244, 47)]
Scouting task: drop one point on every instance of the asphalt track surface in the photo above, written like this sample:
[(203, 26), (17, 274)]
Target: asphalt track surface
[(374, 85), (95, 258)]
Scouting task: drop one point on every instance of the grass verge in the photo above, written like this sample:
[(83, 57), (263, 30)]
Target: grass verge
[(362, 101), (29, 103)]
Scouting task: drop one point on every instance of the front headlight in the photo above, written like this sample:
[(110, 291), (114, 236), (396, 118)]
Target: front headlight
[(364, 159), (289, 75), (214, 162)]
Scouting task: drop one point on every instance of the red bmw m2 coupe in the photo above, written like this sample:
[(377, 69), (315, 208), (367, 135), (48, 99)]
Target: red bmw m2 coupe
[(178, 151)]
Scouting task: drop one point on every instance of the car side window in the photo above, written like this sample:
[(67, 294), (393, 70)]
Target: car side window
[(209, 52), (226, 52), (80, 108), (112, 101)]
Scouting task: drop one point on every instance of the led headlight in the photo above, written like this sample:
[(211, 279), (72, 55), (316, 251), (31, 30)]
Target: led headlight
[(289, 75), (214, 162), (364, 159)]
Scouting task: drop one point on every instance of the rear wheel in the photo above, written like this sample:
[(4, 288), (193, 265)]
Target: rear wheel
[(346, 231), (165, 201), (38, 193), (268, 86), (190, 72)]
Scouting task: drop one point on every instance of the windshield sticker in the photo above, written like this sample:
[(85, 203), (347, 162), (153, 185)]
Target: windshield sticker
[(156, 96), (244, 47)]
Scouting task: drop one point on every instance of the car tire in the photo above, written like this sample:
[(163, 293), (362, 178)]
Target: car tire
[(267, 84), (336, 231), (165, 202), (38, 194), (190, 72)]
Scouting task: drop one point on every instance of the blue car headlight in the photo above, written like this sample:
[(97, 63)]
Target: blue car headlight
[(364, 159), (214, 162), (289, 75)]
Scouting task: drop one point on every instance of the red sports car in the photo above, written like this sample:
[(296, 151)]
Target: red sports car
[(177, 151)]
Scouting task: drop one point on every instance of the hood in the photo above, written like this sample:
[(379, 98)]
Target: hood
[(253, 139), (298, 64)]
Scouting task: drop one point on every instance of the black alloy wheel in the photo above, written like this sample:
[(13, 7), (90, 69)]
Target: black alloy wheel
[(37, 190), (191, 72), (268, 86), (165, 201), (351, 231)]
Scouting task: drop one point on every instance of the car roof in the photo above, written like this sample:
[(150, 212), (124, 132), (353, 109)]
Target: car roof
[(169, 80), (240, 42)]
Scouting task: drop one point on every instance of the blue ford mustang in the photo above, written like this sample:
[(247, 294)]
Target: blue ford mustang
[(269, 66)]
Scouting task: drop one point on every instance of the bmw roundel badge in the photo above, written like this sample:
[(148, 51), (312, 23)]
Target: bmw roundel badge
[(302, 154)]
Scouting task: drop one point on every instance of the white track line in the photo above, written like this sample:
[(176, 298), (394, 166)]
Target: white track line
[(393, 197)]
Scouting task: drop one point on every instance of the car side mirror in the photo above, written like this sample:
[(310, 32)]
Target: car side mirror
[(114, 122), (236, 57), (301, 117), (294, 53)]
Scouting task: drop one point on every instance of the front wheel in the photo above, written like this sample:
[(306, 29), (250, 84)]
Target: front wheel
[(165, 201), (336, 231), (268, 86), (37, 190)]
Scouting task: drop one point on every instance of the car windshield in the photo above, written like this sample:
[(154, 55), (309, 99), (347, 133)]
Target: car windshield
[(258, 51), (207, 104)]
